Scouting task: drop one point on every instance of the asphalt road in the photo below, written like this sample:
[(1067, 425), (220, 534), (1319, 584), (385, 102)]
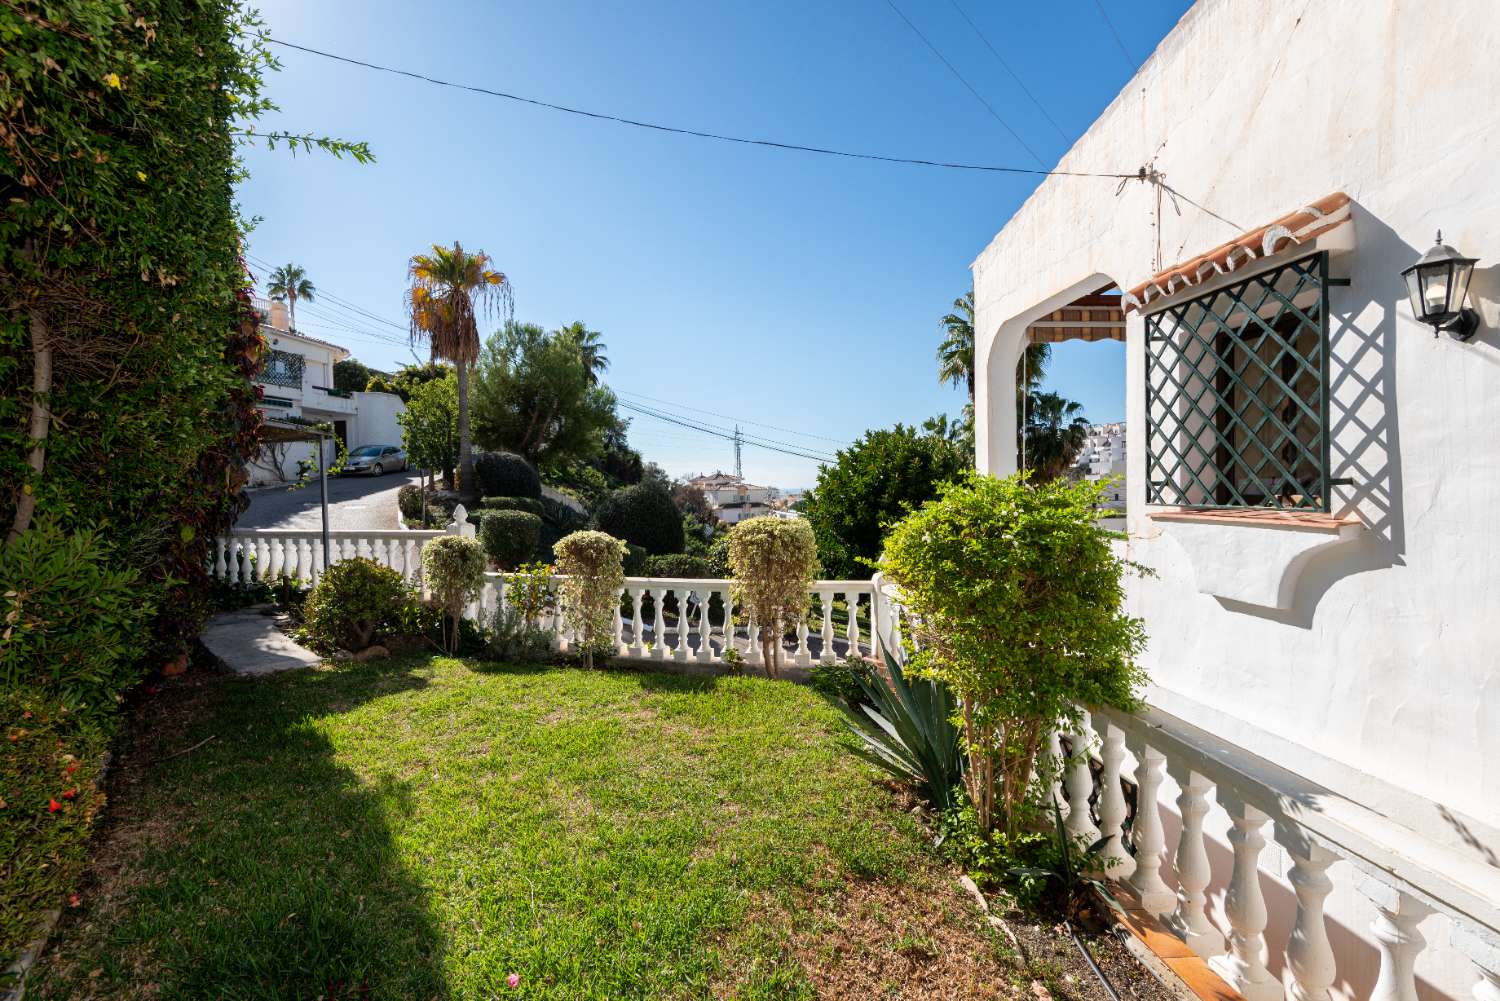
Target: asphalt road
[(354, 502)]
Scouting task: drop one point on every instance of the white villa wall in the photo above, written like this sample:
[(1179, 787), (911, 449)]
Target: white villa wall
[(1382, 679), (375, 419)]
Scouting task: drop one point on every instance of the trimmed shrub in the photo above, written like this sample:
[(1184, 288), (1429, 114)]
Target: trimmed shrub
[(505, 474), (635, 560), (774, 561), (73, 617), (528, 504), (354, 601), (48, 765), (591, 565), (409, 501), (1018, 597), (645, 515), (510, 538), (680, 565), (453, 570)]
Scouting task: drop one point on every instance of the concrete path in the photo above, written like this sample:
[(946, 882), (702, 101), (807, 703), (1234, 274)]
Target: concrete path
[(249, 642), (354, 502)]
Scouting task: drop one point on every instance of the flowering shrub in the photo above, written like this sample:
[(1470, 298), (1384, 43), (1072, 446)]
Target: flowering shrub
[(49, 759), (1016, 597), (453, 570), (774, 561), (592, 565), (354, 601)]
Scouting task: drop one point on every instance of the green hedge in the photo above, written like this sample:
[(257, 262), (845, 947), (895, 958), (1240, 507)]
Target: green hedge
[(644, 515), (510, 538), (530, 505), (505, 474), (680, 565)]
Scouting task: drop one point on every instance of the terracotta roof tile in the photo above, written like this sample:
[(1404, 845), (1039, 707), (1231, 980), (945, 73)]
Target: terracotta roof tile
[(1306, 223)]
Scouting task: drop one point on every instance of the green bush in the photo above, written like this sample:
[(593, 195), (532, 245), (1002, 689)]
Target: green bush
[(530, 505), (841, 680), (645, 515), (510, 538), (591, 565), (1019, 597), (49, 762), (681, 566), (74, 619), (566, 517), (409, 500), (453, 570), (635, 560), (354, 602), (774, 561), (505, 474)]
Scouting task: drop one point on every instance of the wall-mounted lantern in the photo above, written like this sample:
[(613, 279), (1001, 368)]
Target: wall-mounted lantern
[(1437, 285)]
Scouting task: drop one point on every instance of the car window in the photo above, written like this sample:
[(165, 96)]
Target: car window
[(390, 451), (368, 450)]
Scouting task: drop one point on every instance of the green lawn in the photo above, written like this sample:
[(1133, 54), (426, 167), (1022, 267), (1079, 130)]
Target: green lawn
[(427, 826)]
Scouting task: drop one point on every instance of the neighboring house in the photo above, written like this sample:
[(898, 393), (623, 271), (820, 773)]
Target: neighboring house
[(1309, 484), (297, 381), (1103, 457), (733, 500)]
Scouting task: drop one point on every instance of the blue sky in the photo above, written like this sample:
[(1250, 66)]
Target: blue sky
[(796, 290)]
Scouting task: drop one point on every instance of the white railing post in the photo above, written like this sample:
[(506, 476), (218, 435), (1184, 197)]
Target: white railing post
[(1150, 843), (659, 624), (1310, 964), (637, 643), (851, 629), (460, 526), (825, 653), (1244, 966), (705, 627), (1080, 785), (1483, 950), (1190, 920), (1118, 863), (1397, 938)]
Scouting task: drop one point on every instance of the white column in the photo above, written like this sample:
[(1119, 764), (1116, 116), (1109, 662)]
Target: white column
[(727, 597), (851, 631), (1398, 939), (220, 570), (1193, 872), (621, 647), (754, 657), (1118, 863), (1245, 964), (1310, 966), (1483, 950), (803, 656), (659, 624), (683, 624), (1150, 843), (705, 627), (637, 641), (825, 601), (1080, 786)]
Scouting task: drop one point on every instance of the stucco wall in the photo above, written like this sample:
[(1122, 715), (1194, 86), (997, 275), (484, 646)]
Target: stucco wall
[(375, 420), (1383, 678)]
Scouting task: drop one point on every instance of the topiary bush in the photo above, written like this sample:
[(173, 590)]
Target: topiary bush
[(681, 566), (354, 601), (509, 538), (775, 561), (453, 570), (505, 474), (530, 505), (591, 565), (73, 618), (645, 515), (409, 501), (1018, 595)]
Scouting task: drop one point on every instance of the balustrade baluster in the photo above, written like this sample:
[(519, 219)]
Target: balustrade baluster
[(681, 630), (1056, 765), (803, 655), (659, 649), (307, 569), (731, 641), (1244, 966), (1310, 966), (247, 559), (825, 653), (621, 647), (1118, 863), (1150, 845), (754, 656), (1190, 920), (637, 642), (1398, 939), (851, 630), (1484, 953), (220, 569), (1080, 786), (232, 560), (705, 627)]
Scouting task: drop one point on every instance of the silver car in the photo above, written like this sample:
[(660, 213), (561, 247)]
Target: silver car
[(375, 460)]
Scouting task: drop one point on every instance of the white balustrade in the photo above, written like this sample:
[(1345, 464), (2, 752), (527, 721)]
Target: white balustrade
[(1080, 786), (1244, 966), (1150, 846), (1118, 863), (1398, 939), (1310, 966), (1190, 920)]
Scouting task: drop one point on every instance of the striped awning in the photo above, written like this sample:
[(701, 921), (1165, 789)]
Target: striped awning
[(1305, 224), (1095, 317)]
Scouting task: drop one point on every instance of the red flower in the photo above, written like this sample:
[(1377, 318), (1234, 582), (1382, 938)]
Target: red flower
[(72, 767), (71, 793), (73, 900), (53, 806)]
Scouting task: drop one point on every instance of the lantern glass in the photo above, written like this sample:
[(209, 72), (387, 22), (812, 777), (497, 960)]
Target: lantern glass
[(1435, 282)]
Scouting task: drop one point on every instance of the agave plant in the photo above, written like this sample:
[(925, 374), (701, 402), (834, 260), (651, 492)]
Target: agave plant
[(906, 727)]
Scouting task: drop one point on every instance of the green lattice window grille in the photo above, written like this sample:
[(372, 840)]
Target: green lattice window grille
[(283, 368), (1237, 394)]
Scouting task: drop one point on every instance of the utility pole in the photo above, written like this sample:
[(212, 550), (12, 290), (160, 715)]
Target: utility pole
[(739, 472)]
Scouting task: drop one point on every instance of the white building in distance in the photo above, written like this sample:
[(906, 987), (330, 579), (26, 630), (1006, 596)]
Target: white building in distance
[(733, 500), (1103, 457)]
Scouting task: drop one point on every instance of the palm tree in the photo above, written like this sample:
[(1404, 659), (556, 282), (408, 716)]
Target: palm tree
[(956, 353), (590, 347), (1055, 433), (450, 289), (290, 283)]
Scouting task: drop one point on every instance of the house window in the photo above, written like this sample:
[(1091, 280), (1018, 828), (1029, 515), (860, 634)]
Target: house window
[(1237, 394), (282, 368)]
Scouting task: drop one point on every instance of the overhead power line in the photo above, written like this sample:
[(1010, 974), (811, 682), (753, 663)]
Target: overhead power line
[(728, 417), (772, 446), (1129, 59), (718, 137), (954, 70), (1006, 66)]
